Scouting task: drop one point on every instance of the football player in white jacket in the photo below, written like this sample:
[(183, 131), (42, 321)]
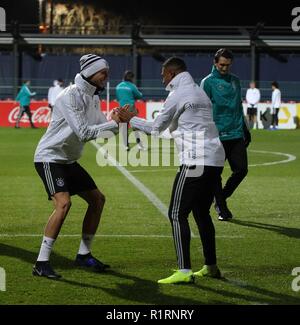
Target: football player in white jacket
[(76, 119), (187, 112)]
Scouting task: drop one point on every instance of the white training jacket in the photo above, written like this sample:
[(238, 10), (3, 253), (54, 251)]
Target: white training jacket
[(53, 92), (276, 98), (76, 119), (253, 97), (187, 112)]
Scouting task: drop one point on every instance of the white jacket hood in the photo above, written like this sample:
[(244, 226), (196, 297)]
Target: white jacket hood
[(84, 86), (76, 119)]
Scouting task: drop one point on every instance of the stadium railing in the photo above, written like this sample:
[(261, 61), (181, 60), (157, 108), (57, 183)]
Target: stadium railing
[(153, 89)]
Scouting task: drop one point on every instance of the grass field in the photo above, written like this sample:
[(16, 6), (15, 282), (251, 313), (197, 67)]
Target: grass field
[(256, 251)]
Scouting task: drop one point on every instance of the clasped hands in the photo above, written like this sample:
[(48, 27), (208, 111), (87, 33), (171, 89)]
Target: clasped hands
[(122, 114)]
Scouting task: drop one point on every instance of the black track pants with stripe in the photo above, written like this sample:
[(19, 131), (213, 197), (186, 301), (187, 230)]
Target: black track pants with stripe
[(193, 194)]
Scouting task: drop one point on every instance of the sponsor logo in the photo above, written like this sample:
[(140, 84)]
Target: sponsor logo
[(154, 114), (220, 87), (37, 271), (41, 115)]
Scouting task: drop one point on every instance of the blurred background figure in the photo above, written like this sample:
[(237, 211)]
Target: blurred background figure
[(276, 103), (24, 97), (54, 91), (127, 93), (252, 98)]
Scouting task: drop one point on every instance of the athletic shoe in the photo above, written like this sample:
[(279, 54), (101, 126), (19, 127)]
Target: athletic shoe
[(89, 261), (45, 269), (127, 148), (178, 277), (212, 272), (224, 214)]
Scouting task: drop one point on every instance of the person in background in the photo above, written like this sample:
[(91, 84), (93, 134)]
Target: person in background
[(276, 103), (127, 93), (252, 98), (54, 91), (24, 98)]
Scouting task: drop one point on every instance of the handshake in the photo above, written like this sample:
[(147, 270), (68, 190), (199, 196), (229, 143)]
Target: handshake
[(122, 114)]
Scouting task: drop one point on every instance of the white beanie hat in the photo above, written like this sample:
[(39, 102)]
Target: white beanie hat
[(91, 63)]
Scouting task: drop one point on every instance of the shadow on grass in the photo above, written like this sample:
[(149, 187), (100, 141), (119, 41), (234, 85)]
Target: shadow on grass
[(141, 290), (30, 257), (287, 231), (266, 296), (145, 291)]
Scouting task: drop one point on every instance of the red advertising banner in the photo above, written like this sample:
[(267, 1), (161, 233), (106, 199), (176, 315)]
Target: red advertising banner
[(9, 111), (41, 114)]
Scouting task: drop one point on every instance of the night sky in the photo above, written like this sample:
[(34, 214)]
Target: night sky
[(183, 12)]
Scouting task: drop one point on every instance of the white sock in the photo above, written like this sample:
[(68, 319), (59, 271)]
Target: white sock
[(85, 244), (46, 248), (185, 270)]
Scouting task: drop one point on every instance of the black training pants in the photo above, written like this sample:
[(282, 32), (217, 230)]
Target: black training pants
[(193, 194), (236, 154), (24, 109), (275, 117)]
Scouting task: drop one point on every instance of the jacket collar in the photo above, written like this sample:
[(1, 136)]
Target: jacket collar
[(217, 74), (85, 86), (182, 79)]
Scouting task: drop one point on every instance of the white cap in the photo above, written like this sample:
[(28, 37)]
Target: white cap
[(91, 63)]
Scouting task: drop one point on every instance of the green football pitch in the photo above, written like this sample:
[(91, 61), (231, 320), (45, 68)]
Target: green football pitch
[(257, 251)]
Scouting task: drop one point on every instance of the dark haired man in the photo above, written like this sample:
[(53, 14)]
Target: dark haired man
[(224, 90)]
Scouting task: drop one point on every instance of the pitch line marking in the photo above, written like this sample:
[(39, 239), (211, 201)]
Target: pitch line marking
[(161, 207), (290, 158), (111, 236)]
